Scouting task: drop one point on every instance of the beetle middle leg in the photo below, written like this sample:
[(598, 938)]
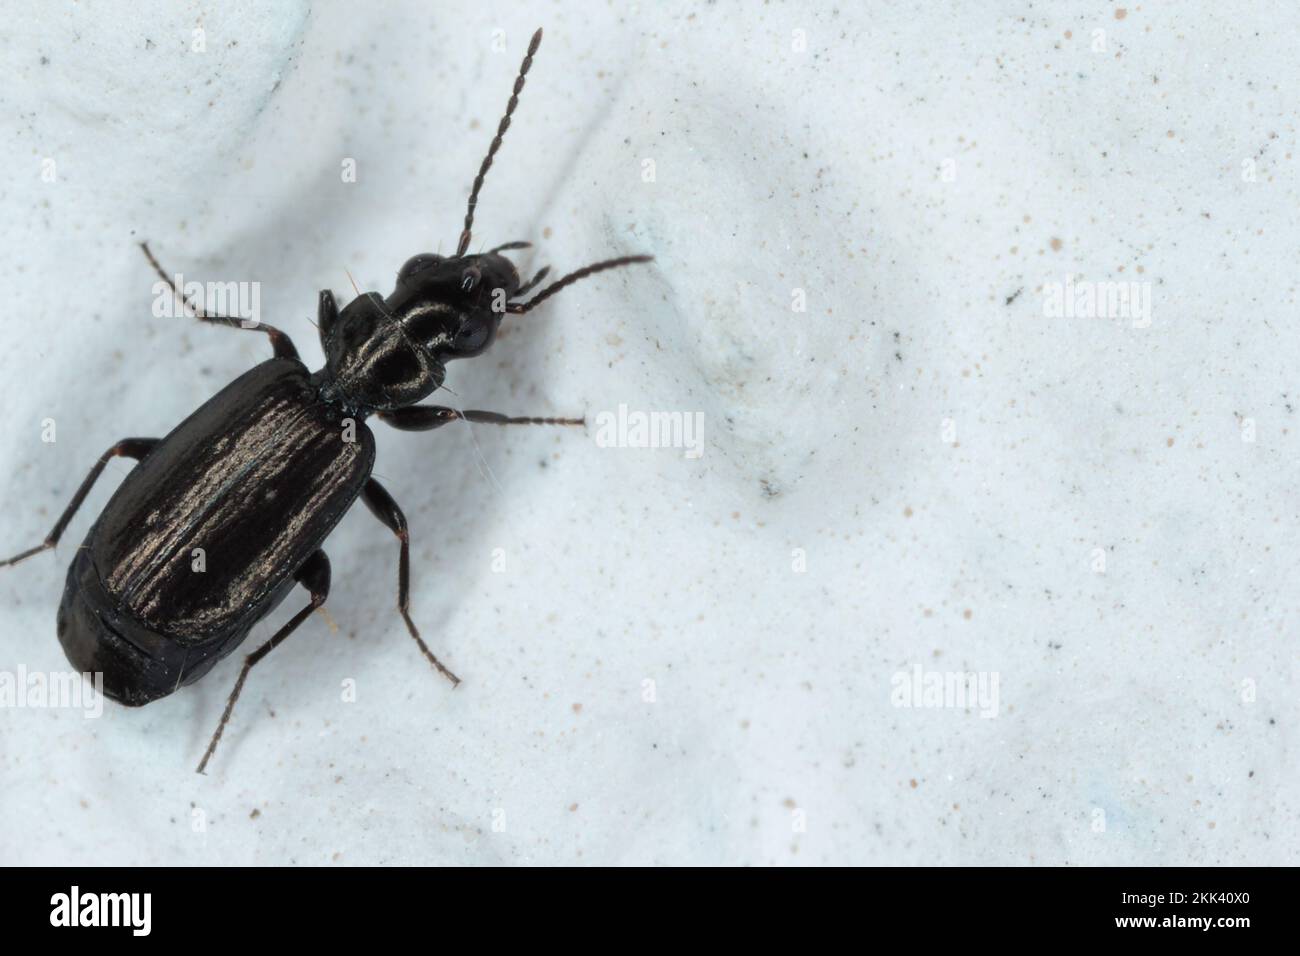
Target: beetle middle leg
[(135, 448), (422, 418), (314, 575), (383, 507), (280, 341)]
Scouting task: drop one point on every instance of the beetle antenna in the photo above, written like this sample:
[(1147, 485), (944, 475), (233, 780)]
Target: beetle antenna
[(519, 308), (496, 142)]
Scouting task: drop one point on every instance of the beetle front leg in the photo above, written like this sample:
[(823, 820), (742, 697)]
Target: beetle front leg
[(281, 344), (383, 507), (314, 575), (422, 418), (135, 448)]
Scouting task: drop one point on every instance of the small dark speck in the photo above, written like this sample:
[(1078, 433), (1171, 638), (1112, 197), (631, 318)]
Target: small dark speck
[(769, 489), (899, 356), (255, 814), (543, 464), (1015, 295), (45, 61), (148, 44)]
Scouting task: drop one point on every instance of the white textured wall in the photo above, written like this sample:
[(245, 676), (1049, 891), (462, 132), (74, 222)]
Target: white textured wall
[(945, 456)]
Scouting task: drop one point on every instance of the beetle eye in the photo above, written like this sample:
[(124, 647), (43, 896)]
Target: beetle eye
[(469, 279)]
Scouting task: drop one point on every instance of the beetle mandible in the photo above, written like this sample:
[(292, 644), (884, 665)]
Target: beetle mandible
[(262, 472)]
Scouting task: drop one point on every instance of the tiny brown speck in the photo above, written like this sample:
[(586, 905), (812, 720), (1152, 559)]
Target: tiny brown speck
[(912, 783), (255, 814), (1120, 13), (966, 614), (577, 708), (1056, 244), (907, 512)]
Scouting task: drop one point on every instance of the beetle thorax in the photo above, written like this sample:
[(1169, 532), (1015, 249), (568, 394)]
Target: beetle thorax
[(372, 364)]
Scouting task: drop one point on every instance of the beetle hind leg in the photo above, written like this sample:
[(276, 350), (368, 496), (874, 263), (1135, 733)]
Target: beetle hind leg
[(314, 575)]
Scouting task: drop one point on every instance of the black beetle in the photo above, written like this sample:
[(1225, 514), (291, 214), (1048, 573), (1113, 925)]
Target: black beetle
[(261, 473)]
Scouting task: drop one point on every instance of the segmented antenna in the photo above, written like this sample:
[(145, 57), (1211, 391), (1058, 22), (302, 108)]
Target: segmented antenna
[(519, 308), (496, 142)]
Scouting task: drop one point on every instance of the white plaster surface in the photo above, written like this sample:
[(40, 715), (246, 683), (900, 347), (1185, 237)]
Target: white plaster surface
[(941, 457)]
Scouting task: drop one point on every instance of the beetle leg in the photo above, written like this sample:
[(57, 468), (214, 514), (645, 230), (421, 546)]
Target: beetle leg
[(383, 507), (280, 342), (314, 575), (135, 448), (422, 418)]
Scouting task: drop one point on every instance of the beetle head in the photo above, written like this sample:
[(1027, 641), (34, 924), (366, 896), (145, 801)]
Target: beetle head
[(453, 306)]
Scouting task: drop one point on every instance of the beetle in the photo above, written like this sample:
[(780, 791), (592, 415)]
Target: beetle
[(261, 473)]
